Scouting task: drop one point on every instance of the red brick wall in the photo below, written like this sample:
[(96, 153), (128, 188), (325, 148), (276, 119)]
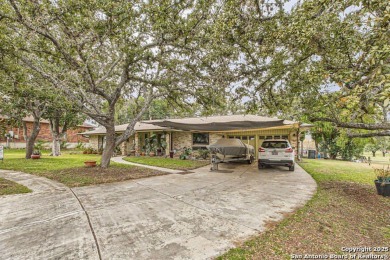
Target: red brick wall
[(44, 133), (73, 137)]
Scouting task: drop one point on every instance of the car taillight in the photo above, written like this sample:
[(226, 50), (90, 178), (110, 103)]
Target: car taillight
[(289, 150), (261, 150)]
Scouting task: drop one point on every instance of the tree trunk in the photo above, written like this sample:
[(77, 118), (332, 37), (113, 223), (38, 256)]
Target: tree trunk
[(109, 148), (56, 135), (384, 154), (56, 147), (373, 154), (30, 140)]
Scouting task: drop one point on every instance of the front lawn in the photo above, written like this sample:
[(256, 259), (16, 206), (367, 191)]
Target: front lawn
[(170, 163), (379, 158), (14, 160), (345, 212), (69, 168), (9, 187), (336, 170)]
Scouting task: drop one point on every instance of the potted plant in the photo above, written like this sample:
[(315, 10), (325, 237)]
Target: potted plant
[(163, 147), (90, 163), (36, 155), (151, 144), (382, 182)]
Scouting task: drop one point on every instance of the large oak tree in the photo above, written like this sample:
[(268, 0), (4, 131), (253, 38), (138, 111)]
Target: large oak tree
[(322, 61), (100, 52)]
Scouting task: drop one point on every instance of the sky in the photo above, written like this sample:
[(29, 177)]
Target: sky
[(290, 4)]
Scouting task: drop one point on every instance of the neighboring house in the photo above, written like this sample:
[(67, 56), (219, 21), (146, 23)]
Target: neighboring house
[(16, 137), (198, 132)]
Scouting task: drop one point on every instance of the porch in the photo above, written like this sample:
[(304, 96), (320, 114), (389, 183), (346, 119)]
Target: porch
[(146, 142)]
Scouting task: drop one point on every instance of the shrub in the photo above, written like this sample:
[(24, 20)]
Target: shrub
[(39, 145), (203, 153), (185, 154), (63, 144), (36, 152), (89, 150), (80, 145)]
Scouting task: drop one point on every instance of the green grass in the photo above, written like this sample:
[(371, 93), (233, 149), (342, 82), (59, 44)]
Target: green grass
[(170, 163), (379, 158), (345, 211), (69, 168), (8, 187), (14, 160), (335, 170)]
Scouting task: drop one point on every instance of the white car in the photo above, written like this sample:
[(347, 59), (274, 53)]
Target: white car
[(276, 152)]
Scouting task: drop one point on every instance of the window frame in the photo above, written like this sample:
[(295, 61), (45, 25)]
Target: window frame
[(201, 143)]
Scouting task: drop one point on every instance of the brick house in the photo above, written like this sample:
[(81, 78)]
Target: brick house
[(17, 140), (198, 132)]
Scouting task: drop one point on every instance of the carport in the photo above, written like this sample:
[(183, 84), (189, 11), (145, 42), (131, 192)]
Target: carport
[(251, 129), (198, 132)]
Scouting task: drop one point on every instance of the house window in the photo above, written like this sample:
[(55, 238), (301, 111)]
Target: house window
[(200, 138)]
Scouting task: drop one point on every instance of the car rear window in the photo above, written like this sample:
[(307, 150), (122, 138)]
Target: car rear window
[(275, 144)]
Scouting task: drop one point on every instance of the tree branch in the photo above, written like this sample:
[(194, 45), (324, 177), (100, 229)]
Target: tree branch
[(376, 126), (130, 128), (113, 65), (365, 135)]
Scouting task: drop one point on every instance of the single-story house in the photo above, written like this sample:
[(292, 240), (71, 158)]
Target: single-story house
[(198, 132), (14, 133)]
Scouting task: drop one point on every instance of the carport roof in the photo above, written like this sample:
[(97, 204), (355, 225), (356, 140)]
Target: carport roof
[(221, 123), (212, 123)]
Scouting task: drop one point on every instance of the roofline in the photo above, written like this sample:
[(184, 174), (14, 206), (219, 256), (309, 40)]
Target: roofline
[(86, 126), (138, 131), (290, 126), (42, 121), (255, 129)]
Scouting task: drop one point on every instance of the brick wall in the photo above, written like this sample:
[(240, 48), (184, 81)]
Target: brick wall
[(293, 139), (184, 139), (44, 133), (127, 146), (94, 141), (181, 140), (72, 135)]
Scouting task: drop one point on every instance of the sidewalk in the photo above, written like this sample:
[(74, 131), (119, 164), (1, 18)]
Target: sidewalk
[(120, 160)]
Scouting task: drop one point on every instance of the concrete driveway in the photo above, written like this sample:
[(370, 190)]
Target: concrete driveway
[(192, 216)]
